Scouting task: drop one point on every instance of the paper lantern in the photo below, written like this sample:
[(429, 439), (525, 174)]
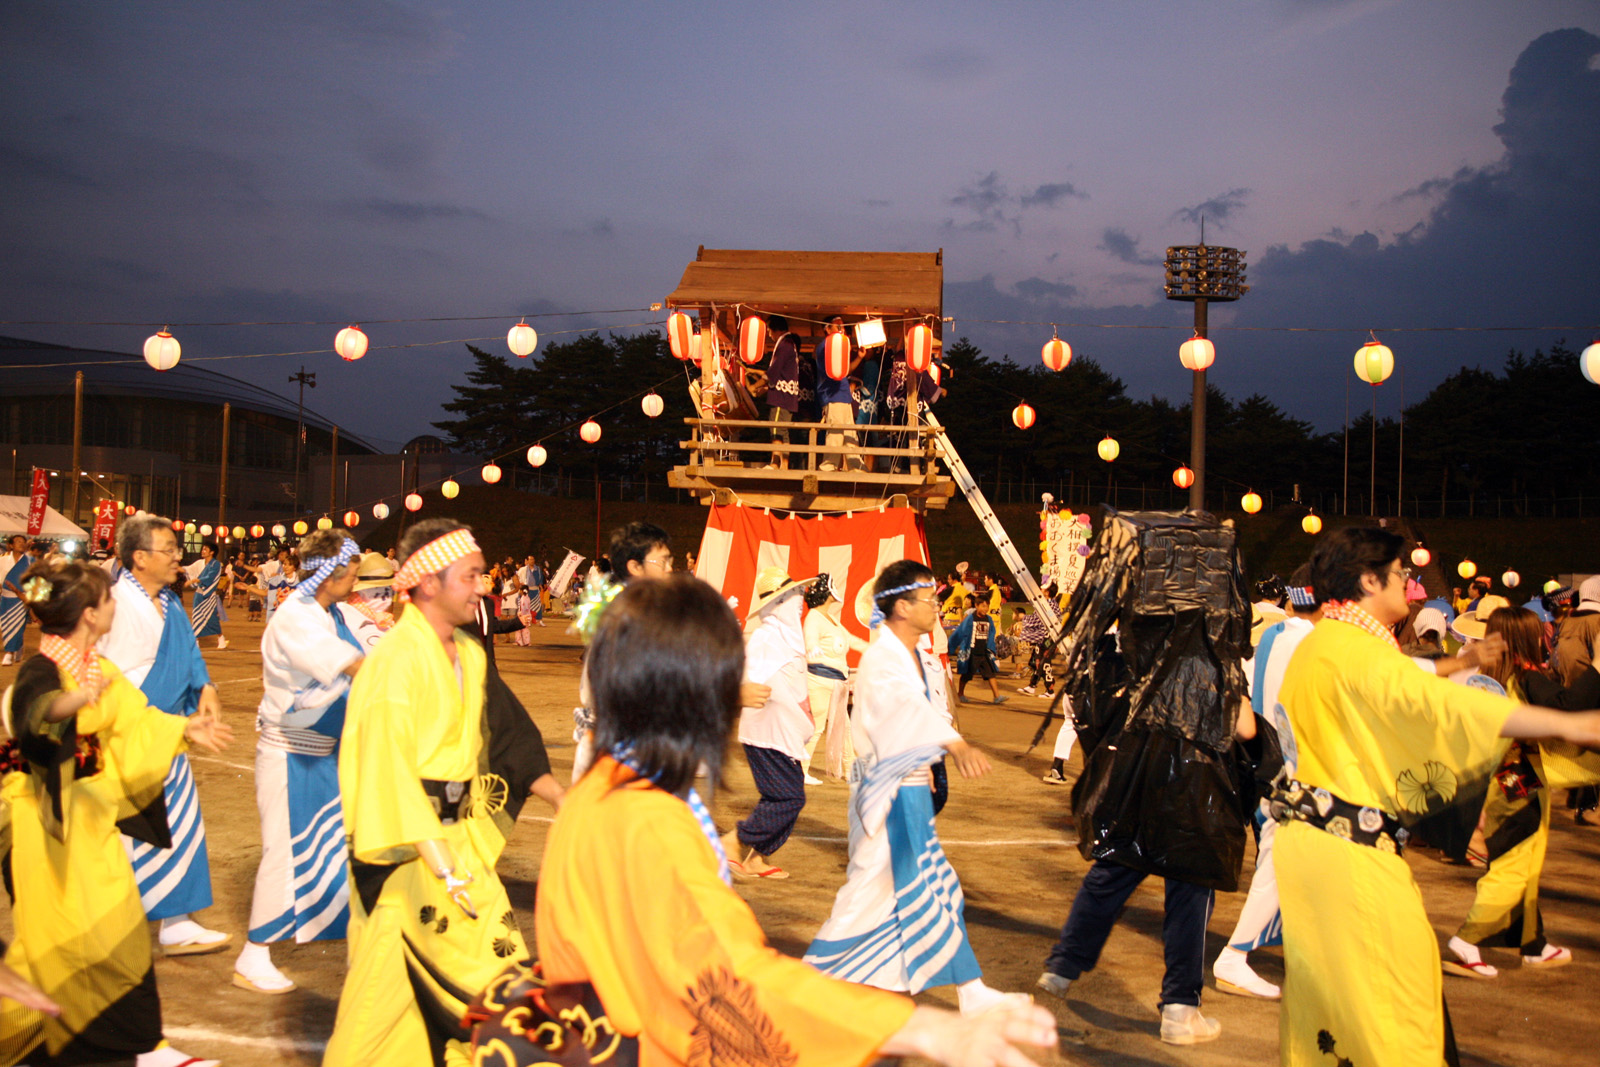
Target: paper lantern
[(919, 347), (537, 455), (836, 359), (205, 531), (279, 530), (301, 528), (1183, 477), (177, 525), (490, 473), (258, 531), (1466, 568), (1251, 502), (651, 404), (450, 488), (522, 340), (1511, 579), (1421, 557), (1552, 586), (413, 501), (1589, 364), (680, 336), (238, 533), (1057, 354), (130, 510), (752, 340), (161, 350), (1108, 448), (380, 511), (1023, 415), (1311, 524), (590, 431), (1374, 362), (324, 523), (351, 520), (936, 372), (190, 528), (351, 344), (1197, 353)]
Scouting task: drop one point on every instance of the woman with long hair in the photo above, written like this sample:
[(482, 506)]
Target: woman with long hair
[(87, 758), (1516, 818), (645, 946)]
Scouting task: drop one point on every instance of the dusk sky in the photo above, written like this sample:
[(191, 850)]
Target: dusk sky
[(1384, 164)]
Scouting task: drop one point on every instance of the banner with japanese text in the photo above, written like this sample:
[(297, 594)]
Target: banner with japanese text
[(38, 501), (105, 525)]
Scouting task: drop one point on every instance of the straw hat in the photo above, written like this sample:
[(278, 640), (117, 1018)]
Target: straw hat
[(373, 573), (1475, 623), (1262, 618), (772, 585)]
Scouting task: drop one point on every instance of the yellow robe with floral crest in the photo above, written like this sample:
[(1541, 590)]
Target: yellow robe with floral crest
[(416, 959), (1361, 963)]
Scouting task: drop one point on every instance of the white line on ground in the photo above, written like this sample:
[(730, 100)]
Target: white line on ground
[(225, 763), (182, 1034)]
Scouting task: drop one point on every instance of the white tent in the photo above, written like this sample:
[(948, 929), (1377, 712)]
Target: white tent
[(14, 520)]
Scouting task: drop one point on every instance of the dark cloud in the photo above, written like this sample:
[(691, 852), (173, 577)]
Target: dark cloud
[(1124, 247), (1040, 290), (1433, 186), (412, 212), (1052, 194), (1217, 209)]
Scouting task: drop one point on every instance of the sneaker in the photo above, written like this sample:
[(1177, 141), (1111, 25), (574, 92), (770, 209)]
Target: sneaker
[(1054, 984), (1027, 690), (1054, 777), (1233, 974), (1182, 1024), (1001, 700), (813, 780), (222, 643)]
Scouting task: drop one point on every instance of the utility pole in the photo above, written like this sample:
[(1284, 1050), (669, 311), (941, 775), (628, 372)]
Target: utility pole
[(333, 474), (77, 438), (222, 482), (300, 428)]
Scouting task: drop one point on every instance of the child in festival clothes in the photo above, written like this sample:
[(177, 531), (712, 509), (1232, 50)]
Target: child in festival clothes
[(647, 954), (897, 923), (87, 753)]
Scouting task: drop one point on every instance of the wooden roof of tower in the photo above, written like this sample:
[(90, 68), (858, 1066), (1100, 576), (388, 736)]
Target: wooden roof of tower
[(727, 457), (845, 283)]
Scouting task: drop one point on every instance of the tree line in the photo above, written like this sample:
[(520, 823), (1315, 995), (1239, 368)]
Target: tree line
[(1521, 440)]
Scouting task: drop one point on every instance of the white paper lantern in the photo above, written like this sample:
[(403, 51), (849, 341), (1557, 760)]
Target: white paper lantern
[(490, 473), (1421, 557), (1511, 579), (205, 531), (351, 344), (380, 511), (1589, 363), (1197, 353), (537, 456), (522, 340), (279, 530), (161, 350), (413, 501), (651, 404), (590, 431)]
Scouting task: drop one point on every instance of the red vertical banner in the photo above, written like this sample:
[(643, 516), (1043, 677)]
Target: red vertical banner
[(105, 524), (38, 501)]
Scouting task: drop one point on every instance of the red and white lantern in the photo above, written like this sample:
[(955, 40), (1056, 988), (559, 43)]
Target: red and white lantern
[(413, 501), (680, 334), (351, 520), (351, 344), (1022, 415), (1057, 354), (1421, 557), (1183, 477), (919, 348), (753, 340), (837, 355)]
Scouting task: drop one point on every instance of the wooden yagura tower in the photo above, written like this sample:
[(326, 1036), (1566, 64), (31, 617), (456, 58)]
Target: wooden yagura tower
[(730, 445)]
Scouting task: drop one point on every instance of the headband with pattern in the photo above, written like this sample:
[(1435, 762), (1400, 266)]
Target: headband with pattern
[(432, 558), (878, 616), (323, 567)]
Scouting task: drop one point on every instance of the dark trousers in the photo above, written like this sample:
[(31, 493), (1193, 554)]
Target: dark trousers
[(941, 785), (1099, 903), (783, 793)]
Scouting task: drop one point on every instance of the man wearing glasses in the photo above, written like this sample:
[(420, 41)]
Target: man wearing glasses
[(153, 645)]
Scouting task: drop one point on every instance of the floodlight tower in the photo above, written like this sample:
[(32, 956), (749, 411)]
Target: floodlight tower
[(1200, 274)]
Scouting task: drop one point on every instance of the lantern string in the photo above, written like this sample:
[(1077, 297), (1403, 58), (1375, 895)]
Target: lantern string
[(331, 322)]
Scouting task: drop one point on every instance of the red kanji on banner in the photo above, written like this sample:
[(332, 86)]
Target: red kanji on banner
[(38, 502), (105, 524)]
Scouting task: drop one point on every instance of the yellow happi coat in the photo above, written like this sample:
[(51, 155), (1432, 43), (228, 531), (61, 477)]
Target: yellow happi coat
[(81, 933), (416, 959), (1361, 963)]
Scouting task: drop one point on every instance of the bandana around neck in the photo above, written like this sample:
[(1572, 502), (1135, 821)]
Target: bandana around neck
[(85, 670), (1356, 615), (623, 754)]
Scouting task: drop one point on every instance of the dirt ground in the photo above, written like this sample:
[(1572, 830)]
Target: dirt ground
[(1010, 838)]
